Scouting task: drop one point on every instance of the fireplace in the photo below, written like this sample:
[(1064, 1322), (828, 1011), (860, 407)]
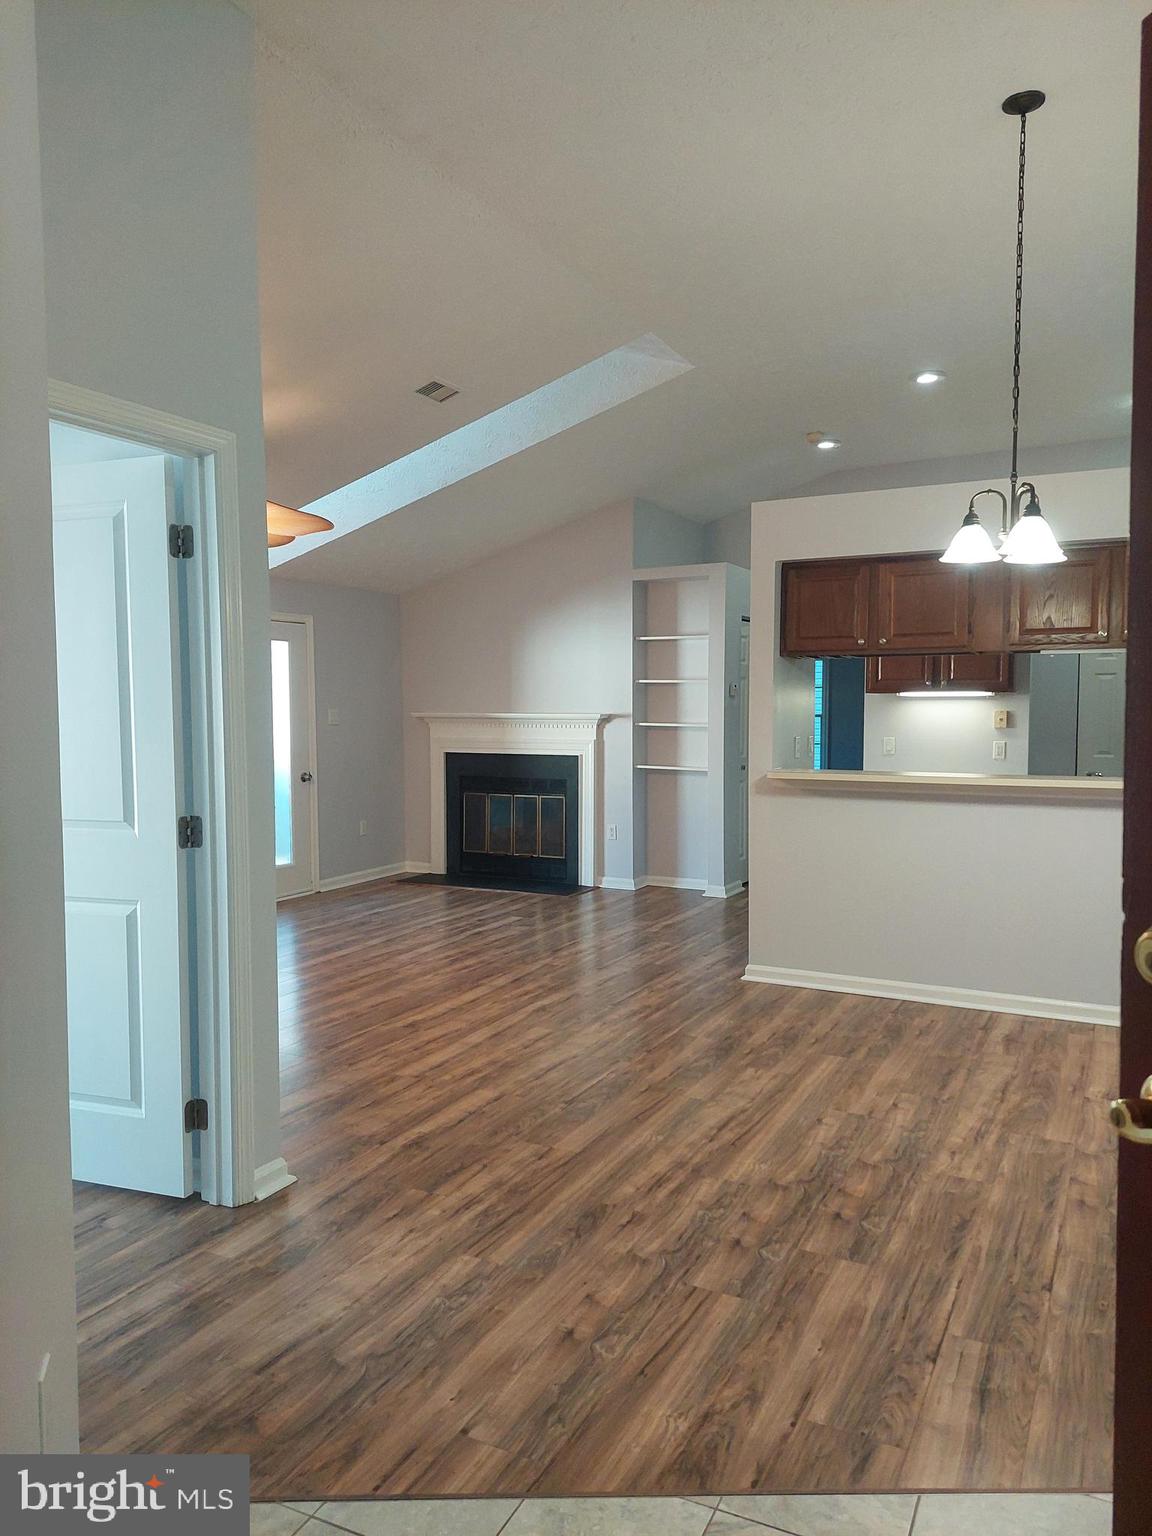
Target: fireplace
[(512, 817)]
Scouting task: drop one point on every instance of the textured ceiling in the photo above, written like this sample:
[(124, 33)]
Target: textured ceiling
[(808, 201)]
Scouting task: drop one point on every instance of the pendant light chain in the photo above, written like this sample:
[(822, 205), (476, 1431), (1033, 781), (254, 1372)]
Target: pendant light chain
[(1019, 306)]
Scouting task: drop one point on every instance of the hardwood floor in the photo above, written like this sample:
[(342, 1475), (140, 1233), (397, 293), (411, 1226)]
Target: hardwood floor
[(580, 1212)]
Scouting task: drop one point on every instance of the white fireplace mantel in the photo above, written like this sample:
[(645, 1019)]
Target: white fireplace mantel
[(568, 735)]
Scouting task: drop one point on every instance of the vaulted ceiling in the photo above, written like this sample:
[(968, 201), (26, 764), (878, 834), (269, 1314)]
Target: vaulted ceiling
[(808, 200)]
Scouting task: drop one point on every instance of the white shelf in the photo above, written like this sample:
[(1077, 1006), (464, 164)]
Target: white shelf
[(669, 768), (671, 679), (691, 634), (673, 725)]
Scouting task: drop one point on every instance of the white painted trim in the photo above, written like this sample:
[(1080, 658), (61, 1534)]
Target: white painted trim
[(946, 997), (271, 1178), (619, 883), (364, 876), (313, 884), (674, 883), (416, 867), (227, 1152), (733, 888), (571, 735)]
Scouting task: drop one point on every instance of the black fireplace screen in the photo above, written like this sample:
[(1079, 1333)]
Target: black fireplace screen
[(512, 816)]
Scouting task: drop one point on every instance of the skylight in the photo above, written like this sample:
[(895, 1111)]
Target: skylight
[(598, 386)]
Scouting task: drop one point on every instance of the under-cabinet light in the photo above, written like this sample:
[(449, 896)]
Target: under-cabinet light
[(944, 693)]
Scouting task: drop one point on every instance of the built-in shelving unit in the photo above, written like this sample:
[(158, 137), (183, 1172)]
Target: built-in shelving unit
[(683, 723)]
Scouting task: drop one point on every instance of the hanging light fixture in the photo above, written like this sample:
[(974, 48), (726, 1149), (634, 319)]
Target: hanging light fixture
[(1025, 537), (286, 524)]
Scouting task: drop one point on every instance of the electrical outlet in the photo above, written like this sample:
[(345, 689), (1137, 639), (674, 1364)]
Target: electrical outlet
[(889, 746), (999, 719), (1000, 750), (363, 829), (613, 832)]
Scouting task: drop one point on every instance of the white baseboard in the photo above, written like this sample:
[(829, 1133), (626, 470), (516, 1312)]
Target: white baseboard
[(272, 1177), (946, 997), (733, 888), (416, 867), (672, 883), (363, 876), (618, 883)]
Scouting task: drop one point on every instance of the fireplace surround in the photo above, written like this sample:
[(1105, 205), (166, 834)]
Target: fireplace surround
[(575, 736)]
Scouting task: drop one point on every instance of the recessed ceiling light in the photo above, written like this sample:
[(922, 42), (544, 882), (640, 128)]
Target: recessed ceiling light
[(929, 376), (821, 440)]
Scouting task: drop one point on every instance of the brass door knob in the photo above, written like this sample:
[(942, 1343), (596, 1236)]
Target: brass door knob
[(1133, 1117), (1142, 955)]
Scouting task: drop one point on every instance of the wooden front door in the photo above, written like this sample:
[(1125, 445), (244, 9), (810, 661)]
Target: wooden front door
[(1133, 1471)]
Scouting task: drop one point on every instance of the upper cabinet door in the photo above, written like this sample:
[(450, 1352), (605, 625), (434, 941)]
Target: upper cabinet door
[(826, 609), (983, 670), (922, 605), (894, 674), (1069, 604)]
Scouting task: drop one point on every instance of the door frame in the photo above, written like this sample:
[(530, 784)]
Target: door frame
[(310, 688), (223, 956)]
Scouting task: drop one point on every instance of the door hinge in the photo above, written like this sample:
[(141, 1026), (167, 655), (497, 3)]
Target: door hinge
[(196, 1115), (180, 541), (190, 832)]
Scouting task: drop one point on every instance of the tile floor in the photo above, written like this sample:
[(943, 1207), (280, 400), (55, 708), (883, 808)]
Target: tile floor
[(930, 1514)]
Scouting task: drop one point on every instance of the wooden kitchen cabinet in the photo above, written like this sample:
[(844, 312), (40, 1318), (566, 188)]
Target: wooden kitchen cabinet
[(892, 674), (1069, 604), (960, 670), (977, 669), (913, 605), (922, 606), (826, 608)]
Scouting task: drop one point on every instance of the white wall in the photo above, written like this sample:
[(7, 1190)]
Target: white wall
[(360, 759), (1001, 899), (37, 1290), (545, 625), (946, 735), (150, 246)]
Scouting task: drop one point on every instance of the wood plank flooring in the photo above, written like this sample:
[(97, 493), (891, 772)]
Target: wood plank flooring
[(580, 1212)]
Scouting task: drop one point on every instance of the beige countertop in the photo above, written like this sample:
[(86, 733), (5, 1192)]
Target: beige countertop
[(985, 785)]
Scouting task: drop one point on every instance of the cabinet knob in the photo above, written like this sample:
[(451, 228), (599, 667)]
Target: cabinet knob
[(1101, 633), (883, 639), (860, 642)]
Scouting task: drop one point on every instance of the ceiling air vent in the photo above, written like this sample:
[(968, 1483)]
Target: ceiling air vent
[(434, 390)]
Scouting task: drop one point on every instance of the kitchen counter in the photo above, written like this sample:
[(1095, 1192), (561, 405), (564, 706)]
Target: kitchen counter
[(986, 786)]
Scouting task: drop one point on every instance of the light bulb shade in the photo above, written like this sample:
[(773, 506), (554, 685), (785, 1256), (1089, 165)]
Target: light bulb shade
[(970, 545), (288, 520), (276, 540), (1031, 542)]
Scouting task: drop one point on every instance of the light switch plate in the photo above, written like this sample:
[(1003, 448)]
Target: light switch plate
[(889, 746), (333, 717), (1000, 750)]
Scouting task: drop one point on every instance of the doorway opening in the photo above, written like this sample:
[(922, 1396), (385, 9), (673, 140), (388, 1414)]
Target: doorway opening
[(294, 756), (154, 796)]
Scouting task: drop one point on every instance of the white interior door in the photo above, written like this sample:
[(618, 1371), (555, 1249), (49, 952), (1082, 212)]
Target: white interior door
[(119, 697), (293, 757)]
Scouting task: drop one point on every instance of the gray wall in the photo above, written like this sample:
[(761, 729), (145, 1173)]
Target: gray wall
[(150, 249), (37, 1289), (730, 539), (660, 537), (545, 625), (360, 759)]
